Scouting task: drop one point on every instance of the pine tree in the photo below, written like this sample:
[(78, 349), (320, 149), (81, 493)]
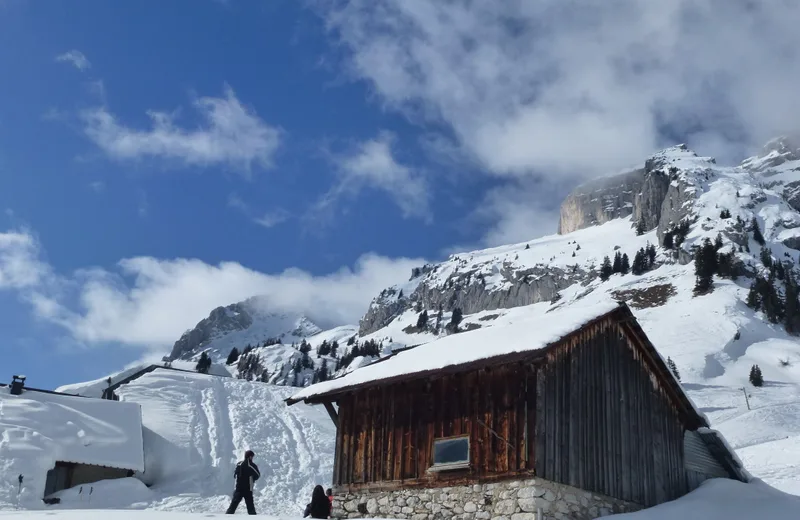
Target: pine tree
[(757, 236), (334, 348), (203, 364), (766, 257), (753, 297), (322, 373), (640, 227), (606, 269), (771, 301), (718, 242), (351, 341), (527, 246), (651, 255), (305, 348), (617, 267), (705, 265), (756, 378), (625, 265), (455, 320), (725, 213), (639, 262), (324, 348), (668, 242), (673, 368), (791, 305), (422, 320), (233, 356), (725, 267)]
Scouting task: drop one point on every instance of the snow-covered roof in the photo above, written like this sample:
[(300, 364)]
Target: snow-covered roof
[(44, 428), (532, 332)]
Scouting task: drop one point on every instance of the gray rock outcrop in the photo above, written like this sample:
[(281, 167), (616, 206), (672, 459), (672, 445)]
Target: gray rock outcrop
[(598, 201), (221, 320), (468, 291)]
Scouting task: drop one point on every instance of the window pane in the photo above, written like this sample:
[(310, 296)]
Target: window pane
[(451, 451)]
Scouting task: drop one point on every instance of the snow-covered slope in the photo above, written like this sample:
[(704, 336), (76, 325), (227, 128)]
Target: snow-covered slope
[(195, 429), (196, 426)]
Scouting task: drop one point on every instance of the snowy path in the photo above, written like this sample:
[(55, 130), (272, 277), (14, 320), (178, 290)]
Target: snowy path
[(208, 422)]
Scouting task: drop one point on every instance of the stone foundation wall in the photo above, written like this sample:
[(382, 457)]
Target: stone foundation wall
[(510, 500)]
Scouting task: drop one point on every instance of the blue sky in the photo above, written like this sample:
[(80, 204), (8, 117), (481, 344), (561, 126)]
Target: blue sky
[(162, 158)]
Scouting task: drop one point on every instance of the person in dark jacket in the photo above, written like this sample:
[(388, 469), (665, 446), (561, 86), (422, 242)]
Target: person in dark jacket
[(320, 506), (246, 474), (329, 492)]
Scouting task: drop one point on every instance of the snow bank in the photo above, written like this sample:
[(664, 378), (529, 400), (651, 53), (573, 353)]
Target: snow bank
[(37, 429), (721, 499), (96, 387), (531, 331), (106, 494)]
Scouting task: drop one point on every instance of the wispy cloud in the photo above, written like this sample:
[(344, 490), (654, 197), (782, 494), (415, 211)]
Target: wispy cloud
[(272, 218), (372, 164), (143, 206), (267, 219), (149, 302), (561, 88), (97, 186), (76, 58), (230, 134)]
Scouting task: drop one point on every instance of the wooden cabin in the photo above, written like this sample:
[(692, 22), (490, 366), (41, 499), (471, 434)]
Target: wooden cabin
[(576, 396)]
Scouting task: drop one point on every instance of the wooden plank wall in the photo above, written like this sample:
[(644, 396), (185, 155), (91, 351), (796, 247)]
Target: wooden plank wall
[(603, 423), (386, 434)]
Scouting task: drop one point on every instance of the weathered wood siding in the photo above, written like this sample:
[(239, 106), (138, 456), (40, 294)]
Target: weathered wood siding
[(589, 412), (603, 422), (386, 435)]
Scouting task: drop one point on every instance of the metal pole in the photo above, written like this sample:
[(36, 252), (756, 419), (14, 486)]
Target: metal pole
[(746, 400)]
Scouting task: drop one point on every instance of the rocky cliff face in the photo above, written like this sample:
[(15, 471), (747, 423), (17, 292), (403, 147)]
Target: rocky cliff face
[(474, 287), (598, 201), (240, 324)]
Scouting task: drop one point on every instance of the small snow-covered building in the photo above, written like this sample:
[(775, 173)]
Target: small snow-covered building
[(570, 412), (55, 441)]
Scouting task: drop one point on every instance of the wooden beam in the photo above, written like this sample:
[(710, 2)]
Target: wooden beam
[(332, 412)]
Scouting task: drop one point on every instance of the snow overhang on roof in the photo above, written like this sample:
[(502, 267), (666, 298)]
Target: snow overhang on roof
[(78, 429), (528, 334)]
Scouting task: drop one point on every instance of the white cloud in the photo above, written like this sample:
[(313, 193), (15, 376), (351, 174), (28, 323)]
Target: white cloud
[(229, 134), (272, 218), (372, 165), (148, 302), (267, 219), (571, 89), (20, 265), (76, 58), (519, 211), (97, 186)]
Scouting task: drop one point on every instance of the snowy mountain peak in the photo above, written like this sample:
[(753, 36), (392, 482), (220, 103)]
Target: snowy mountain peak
[(239, 324), (778, 155)]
